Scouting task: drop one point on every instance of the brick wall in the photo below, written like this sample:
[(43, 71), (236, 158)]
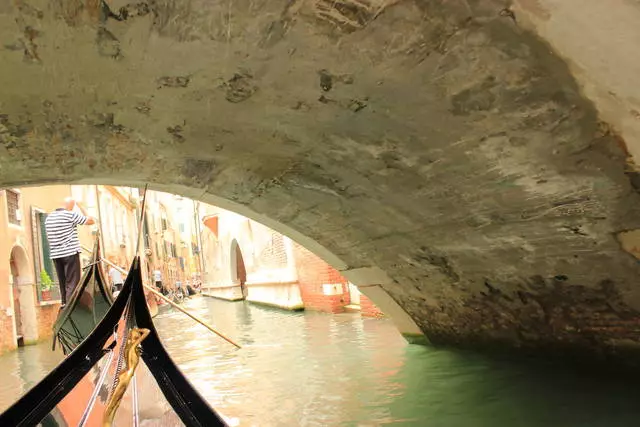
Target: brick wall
[(313, 272), (273, 254), (368, 308), (7, 342), (47, 315)]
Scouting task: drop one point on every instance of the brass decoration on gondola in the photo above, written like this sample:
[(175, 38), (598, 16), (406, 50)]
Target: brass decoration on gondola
[(132, 355)]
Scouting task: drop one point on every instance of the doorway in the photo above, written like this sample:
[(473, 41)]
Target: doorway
[(19, 270), (239, 271)]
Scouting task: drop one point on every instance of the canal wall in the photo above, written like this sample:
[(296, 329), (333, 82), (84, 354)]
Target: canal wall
[(7, 340), (34, 328), (368, 308), (47, 315), (232, 292), (322, 287)]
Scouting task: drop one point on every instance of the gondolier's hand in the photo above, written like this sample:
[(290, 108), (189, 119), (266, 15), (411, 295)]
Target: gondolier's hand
[(90, 220)]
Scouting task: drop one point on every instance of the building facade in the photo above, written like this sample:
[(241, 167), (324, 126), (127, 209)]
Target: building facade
[(247, 260), (116, 210), (27, 309), (235, 258), (171, 238)]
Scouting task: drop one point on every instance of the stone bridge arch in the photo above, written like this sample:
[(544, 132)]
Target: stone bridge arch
[(440, 150)]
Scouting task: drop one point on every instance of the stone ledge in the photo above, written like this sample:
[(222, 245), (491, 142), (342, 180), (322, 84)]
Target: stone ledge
[(221, 298), (297, 307), (223, 287), (289, 283)]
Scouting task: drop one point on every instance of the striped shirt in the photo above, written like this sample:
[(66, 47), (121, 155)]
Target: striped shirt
[(62, 232)]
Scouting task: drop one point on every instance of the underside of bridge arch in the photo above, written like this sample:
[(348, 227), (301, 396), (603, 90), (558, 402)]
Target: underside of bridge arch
[(439, 141)]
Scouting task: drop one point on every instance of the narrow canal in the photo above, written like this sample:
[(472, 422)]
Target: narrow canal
[(311, 369)]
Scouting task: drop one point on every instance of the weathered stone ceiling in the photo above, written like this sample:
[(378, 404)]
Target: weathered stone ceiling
[(437, 140)]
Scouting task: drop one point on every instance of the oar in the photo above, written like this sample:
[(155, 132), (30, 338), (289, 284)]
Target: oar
[(173, 304), (193, 316)]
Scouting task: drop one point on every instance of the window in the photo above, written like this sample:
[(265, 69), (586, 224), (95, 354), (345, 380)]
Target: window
[(170, 250), (182, 228), (13, 207), (163, 217)]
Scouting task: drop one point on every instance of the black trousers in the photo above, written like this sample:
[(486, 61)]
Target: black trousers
[(68, 269), (161, 288)]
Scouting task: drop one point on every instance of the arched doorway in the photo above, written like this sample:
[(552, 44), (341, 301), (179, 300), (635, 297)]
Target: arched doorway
[(238, 269), (19, 264)]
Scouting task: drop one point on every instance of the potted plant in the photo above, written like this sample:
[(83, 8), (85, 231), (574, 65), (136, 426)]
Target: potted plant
[(45, 285)]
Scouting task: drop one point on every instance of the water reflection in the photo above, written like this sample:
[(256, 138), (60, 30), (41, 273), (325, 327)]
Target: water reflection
[(23, 368), (310, 369), (313, 369)]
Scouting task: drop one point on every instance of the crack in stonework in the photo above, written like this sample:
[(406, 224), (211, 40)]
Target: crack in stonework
[(350, 15)]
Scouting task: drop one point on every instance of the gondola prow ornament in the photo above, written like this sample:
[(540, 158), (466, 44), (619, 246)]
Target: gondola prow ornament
[(132, 354)]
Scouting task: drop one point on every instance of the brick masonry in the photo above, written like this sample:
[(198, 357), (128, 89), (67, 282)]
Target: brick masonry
[(368, 308), (313, 272), (7, 342), (46, 318), (273, 254)]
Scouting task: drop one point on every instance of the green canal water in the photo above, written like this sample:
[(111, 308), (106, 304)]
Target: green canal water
[(312, 369)]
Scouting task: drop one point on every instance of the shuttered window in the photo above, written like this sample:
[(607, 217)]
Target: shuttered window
[(46, 250), (41, 249)]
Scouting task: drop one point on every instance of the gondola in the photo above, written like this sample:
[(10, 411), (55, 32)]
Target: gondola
[(86, 307), (112, 350)]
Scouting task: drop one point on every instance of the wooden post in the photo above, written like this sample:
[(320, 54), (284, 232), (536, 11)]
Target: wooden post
[(100, 228)]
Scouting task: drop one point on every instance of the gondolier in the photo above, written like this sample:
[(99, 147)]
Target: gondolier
[(62, 232)]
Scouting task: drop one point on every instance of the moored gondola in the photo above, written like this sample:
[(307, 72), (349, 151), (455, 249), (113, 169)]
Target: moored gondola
[(101, 369)]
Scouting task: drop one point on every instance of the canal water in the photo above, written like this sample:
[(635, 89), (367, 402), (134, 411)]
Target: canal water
[(312, 369)]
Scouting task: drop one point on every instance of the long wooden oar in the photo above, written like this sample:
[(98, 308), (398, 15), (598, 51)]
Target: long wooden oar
[(193, 316), (173, 304)]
